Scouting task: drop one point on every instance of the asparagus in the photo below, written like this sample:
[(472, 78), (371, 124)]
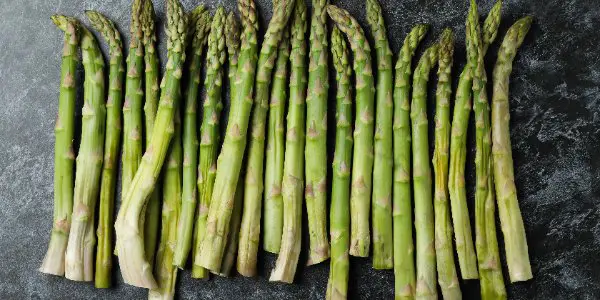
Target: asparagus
[(458, 153), (152, 218), (421, 171), (229, 258), (232, 41), (316, 135), (111, 147), (447, 277), (383, 256), (293, 169), (363, 131), (201, 26), (54, 261), (135, 268), (404, 265), (273, 220), (511, 222), (337, 285), (253, 186), (79, 258)]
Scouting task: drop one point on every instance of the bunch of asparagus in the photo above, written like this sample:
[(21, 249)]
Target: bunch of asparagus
[(212, 187)]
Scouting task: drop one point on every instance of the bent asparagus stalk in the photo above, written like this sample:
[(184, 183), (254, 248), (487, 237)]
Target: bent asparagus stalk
[(337, 285), (54, 261), (253, 185), (382, 168), (511, 221), (426, 277), (458, 153), (79, 258), (316, 135), (362, 168), (201, 26), (111, 147), (273, 220), (130, 243), (404, 264), (447, 278), (293, 169)]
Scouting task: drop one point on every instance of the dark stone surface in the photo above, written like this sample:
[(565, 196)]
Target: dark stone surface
[(555, 109)]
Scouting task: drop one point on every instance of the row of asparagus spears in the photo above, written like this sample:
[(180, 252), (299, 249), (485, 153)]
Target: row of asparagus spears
[(211, 188)]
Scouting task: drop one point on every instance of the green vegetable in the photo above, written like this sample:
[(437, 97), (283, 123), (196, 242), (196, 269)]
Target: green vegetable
[(229, 258), (232, 41), (515, 241), (337, 285), (111, 147), (404, 264), (362, 168), (293, 169), (383, 256), (316, 135)]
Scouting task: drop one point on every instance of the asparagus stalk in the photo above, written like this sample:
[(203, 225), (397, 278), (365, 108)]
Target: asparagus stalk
[(421, 171), (201, 26), (54, 261), (383, 256), (253, 186), (337, 286), (79, 258), (152, 218), (229, 258), (404, 264), (273, 220), (232, 41), (458, 153), (447, 277), (316, 135), (130, 243), (111, 147), (293, 169), (363, 132), (515, 241)]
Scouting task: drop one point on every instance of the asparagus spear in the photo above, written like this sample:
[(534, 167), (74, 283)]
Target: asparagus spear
[(337, 286), (447, 277), (253, 186), (152, 218), (363, 131), (130, 244), (458, 153), (54, 261), (293, 169), (201, 27), (79, 258), (426, 276), (404, 265), (273, 220), (515, 241), (229, 258), (316, 135), (382, 169), (111, 147), (232, 41)]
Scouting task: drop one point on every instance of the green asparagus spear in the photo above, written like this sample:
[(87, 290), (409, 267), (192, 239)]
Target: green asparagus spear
[(382, 168), (458, 153), (316, 135), (111, 147), (515, 241), (130, 243), (229, 258), (54, 261), (253, 186), (232, 41), (152, 218), (404, 264), (190, 136), (426, 277), (337, 286), (363, 131), (293, 169), (79, 258), (444, 253)]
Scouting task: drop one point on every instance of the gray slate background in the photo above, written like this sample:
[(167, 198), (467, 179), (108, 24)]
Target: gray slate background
[(555, 111)]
